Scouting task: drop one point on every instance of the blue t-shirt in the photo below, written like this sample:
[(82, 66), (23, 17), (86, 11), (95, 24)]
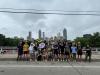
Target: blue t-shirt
[(74, 49)]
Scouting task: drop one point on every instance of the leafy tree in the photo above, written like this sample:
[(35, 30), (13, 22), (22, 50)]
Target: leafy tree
[(93, 40)]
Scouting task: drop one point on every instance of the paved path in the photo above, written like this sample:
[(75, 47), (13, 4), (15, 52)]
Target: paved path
[(14, 56), (48, 68)]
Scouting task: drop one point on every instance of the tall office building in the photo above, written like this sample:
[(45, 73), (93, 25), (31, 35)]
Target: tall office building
[(65, 34), (58, 35), (43, 35), (29, 36), (40, 33)]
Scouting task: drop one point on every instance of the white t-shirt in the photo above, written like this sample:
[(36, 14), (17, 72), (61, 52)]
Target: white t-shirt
[(41, 45), (31, 48)]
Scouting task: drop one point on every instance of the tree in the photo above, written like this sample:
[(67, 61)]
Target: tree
[(8, 41), (93, 40), (2, 39)]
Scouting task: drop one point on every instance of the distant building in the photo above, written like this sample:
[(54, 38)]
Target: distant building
[(16, 37), (29, 36), (58, 35), (40, 34), (87, 35), (21, 39), (65, 34), (43, 35)]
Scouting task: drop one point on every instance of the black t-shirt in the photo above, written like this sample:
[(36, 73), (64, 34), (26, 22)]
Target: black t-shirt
[(88, 50), (35, 48), (62, 48), (20, 48), (67, 49), (55, 47)]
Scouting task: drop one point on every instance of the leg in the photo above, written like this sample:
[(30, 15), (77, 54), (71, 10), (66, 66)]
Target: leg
[(86, 56), (80, 58), (89, 58)]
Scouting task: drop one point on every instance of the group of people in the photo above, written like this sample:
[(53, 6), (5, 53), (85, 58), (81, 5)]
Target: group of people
[(52, 51)]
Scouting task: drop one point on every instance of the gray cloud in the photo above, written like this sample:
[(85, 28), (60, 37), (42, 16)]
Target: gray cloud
[(20, 24)]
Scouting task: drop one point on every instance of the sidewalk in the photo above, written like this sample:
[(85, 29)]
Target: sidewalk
[(8, 57), (12, 57)]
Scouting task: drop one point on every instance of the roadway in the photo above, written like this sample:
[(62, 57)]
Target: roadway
[(49, 68)]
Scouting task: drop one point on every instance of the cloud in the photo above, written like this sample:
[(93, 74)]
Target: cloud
[(21, 24)]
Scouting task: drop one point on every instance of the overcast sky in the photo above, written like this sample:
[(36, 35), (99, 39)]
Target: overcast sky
[(20, 24)]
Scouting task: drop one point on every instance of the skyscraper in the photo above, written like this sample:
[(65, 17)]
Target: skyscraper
[(43, 35), (40, 33), (29, 36), (65, 34)]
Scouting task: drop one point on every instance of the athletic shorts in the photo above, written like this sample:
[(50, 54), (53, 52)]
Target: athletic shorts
[(67, 53), (62, 51), (79, 53), (26, 52), (55, 51)]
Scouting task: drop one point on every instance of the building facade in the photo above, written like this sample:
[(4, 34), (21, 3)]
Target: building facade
[(65, 33)]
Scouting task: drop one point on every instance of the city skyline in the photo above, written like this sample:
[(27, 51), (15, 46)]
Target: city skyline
[(17, 24), (65, 33)]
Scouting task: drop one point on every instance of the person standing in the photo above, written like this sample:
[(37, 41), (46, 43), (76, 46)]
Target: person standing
[(67, 52), (62, 51), (79, 52), (1, 51), (36, 51), (88, 53), (55, 52), (20, 51), (32, 52), (74, 51), (26, 50)]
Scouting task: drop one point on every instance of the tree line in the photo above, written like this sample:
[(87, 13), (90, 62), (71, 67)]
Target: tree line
[(91, 39), (8, 41)]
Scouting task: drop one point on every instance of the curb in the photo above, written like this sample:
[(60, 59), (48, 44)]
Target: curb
[(15, 59)]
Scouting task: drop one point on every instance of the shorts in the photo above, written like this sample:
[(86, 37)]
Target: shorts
[(26, 52), (36, 53), (62, 51), (74, 55), (20, 52), (39, 58), (79, 53), (31, 55), (55, 52), (67, 53)]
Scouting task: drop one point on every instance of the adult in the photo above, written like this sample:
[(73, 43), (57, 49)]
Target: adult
[(41, 47), (79, 52), (20, 51), (26, 50), (74, 51), (88, 53), (32, 52), (62, 51), (67, 52), (55, 51), (36, 51)]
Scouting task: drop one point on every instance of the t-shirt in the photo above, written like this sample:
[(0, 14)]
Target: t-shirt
[(67, 49), (62, 48), (25, 47), (35, 48), (74, 49), (88, 50), (55, 47), (20, 48), (79, 48), (41, 45), (31, 49)]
